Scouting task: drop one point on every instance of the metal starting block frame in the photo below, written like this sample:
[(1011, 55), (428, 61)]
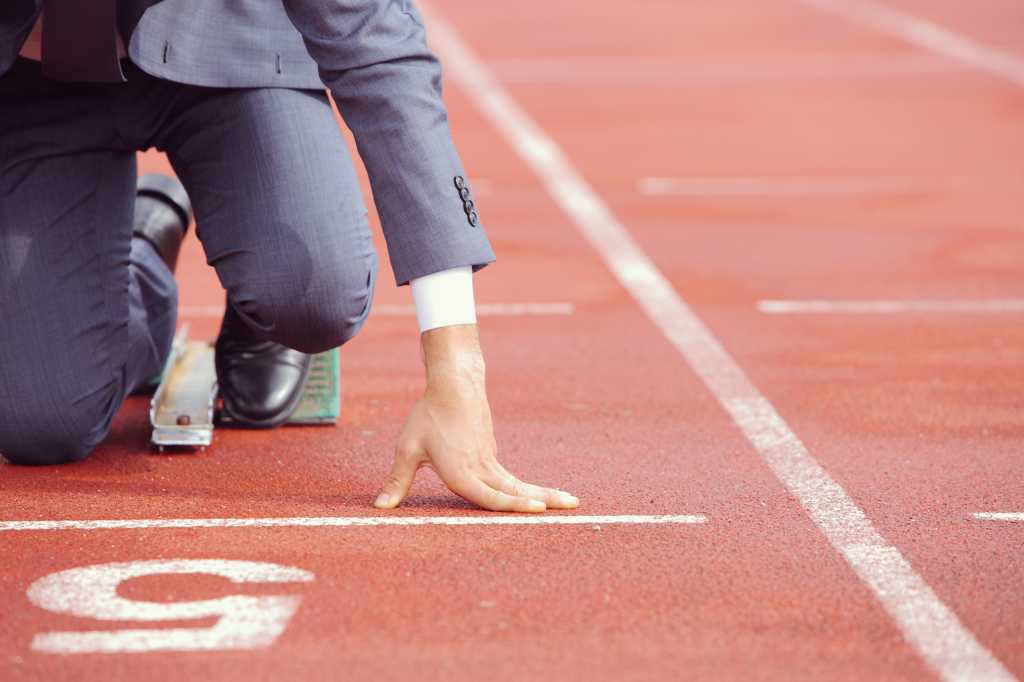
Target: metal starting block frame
[(183, 411)]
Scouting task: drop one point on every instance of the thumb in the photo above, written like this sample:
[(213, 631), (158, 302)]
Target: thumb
[(397, 484)]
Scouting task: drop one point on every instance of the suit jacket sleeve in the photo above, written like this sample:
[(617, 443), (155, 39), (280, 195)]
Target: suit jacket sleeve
[(372, 55)]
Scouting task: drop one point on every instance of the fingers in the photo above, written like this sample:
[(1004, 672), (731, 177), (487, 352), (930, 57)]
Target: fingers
[(479, 493), (397, 484), (552, 498)]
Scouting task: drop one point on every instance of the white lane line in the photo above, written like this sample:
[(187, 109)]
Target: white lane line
[(926, 34), (195, 312), (890, 307), (618, 70), (353, 521), (999, 516), (930, 627), (788, 187)]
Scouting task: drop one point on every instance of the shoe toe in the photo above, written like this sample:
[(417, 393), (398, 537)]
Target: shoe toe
[(263, 389), (257, 394)]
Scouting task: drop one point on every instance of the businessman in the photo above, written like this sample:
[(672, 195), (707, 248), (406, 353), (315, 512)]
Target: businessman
[(233, 92)]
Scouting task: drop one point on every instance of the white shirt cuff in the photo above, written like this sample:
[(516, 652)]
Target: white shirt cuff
[(445, 298)]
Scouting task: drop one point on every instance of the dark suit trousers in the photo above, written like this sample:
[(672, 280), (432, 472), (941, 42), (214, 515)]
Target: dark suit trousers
[(87, 313)]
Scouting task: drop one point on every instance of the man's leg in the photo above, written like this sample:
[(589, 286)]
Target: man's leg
[(281, 216), (278, 210), (87, 312)]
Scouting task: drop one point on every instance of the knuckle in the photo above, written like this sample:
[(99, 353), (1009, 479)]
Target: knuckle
[(494, 466), (523, 504), (406, 451), (495, 501), (460, 488)]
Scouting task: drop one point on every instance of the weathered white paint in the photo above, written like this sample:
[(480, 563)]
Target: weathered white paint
[(245, 622), (818, 187), (351, 521), (890, 307), (616, 71), (999, 516), (928, 35)]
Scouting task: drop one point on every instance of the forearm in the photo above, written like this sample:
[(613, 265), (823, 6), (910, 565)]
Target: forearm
[(374, 58)]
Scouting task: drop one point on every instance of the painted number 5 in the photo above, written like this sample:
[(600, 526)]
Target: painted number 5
[(91, 592)]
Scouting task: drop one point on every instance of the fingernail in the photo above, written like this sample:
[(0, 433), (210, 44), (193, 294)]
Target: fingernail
[(383, 500), (536, 505), (568, 500)]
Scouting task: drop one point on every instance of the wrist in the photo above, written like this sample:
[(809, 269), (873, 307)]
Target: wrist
[(452, 358)]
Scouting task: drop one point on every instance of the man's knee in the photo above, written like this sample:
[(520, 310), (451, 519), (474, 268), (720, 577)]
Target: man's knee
[(316, 316), (44, 441), (55, 430), (331, 314)]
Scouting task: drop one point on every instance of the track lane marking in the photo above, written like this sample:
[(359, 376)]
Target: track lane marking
[(352, 521), (889, 307), (398, 310), (788, 187), (242, 621), (928, 625), (926, 34), (999, 516), (618, 70)]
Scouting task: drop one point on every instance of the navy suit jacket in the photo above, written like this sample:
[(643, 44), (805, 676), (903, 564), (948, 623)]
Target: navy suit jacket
[(372, 56)]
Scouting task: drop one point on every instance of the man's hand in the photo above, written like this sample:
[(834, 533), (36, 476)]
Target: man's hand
[(450, 431)]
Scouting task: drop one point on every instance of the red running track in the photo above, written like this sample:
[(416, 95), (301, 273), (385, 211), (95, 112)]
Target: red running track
[(755, 151)]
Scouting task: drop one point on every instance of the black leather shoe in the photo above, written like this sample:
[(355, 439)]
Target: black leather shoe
[(261, 382), (162, 215)]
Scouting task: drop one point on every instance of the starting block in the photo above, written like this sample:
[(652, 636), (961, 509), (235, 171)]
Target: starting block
[(184, 410)]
